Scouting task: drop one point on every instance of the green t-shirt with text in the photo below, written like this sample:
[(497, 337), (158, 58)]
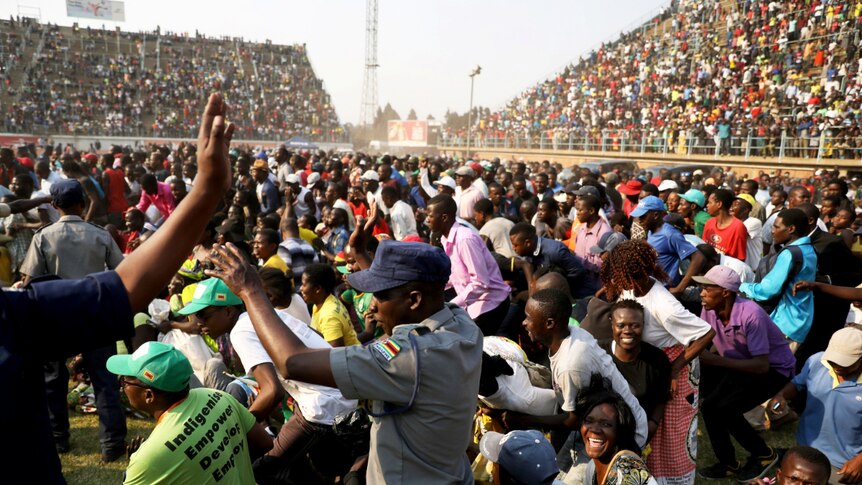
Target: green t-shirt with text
[(202, 440)]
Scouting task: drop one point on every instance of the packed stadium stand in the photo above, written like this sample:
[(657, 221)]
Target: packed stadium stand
[(69, 80), (728, 76)]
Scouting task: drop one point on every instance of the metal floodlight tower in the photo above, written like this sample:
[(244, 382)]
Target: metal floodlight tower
[(368, 110), (475, 72)]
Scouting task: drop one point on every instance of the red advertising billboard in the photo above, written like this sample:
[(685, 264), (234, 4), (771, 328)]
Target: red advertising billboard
[(413, 133)]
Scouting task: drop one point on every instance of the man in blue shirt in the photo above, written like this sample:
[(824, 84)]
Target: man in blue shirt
[(831, 419), (541, 251), (669, 243), (793, 313), (52, 319)]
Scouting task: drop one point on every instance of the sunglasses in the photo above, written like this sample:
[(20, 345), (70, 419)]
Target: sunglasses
[(125, 382)]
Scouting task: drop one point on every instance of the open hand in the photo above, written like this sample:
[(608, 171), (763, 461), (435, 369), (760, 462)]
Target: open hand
[(213, 146), (232, 268)]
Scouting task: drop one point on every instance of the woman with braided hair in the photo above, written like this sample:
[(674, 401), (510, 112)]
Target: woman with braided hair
[(632, 271)]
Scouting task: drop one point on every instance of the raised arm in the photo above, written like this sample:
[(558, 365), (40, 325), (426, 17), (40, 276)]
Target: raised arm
[(843, 292), (291, 357), (173, 242)]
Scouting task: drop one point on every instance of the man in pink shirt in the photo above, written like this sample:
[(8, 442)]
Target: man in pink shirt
[(158, 194), (591, 230), (475, 276), (467, 194)]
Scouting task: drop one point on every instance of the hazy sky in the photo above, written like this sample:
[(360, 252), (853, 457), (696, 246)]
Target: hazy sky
[(426, 49)]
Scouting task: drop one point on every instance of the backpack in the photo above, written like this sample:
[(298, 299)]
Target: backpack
[(765, 266)]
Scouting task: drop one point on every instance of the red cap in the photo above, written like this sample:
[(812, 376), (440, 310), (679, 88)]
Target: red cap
[(632, 187)]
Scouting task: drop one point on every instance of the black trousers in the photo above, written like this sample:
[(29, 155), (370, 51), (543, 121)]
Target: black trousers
[(112, 418), (728, 395), (490, 321)]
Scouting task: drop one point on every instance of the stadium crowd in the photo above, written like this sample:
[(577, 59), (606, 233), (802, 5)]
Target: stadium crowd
[(87, 81), (315, 331), (704, 75)]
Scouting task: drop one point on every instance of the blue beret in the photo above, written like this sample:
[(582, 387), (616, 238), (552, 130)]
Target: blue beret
[(67, 193), (398, 263)]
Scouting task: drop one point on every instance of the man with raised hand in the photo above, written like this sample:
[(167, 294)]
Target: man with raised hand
[(409, 375), (50, 319)]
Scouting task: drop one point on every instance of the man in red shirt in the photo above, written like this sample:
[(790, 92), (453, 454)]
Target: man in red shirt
[(724, 232), (115, 187)]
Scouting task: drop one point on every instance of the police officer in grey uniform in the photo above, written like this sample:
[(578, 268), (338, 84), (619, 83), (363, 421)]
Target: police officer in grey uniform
[(72, 248), (423, 377)]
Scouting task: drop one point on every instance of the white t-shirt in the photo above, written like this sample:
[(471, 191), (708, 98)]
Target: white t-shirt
[(746, 275), (298, 309), (403, 222), (53, 215), (319, 404), (667, 322), (578, 358), (755, 241), (516, 392)]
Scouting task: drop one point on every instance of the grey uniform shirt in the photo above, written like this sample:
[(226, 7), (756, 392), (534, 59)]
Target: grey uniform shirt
[(434, 434), (71, 248)]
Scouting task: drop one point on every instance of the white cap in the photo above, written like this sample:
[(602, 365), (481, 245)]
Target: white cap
[(371, 175), (292, 179), (446, 181), (667, 185), (312, 179)]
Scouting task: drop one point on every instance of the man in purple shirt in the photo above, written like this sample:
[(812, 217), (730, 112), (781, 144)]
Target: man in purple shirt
[(158, 194), (591, 230), (749, 362), (475, 277)]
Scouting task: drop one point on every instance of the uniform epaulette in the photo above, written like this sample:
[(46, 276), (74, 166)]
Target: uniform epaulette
[(43, 227)]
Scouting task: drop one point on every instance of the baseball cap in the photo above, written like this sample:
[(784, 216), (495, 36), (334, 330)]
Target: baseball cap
[(446, 181), (632, 187), (695, 196), (571, 189), (648, 203), (397, 263), (292, 179), (525, 454), (587, 190), (370, 175), (313, 178), (260, 164), (261, 156), (748, 198), (158, 365), (210, 292), (667, 185), (845, 347), (465, 171), (720, 276), (608, 241), (67, 193)]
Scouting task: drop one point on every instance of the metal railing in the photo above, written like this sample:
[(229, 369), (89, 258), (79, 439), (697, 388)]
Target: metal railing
[(825, 145)]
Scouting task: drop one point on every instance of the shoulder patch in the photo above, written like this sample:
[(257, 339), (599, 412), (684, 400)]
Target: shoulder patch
[(387, 348)]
